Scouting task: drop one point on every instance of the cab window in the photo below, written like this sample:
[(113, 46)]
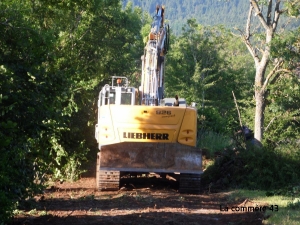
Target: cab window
[(126, 99), (112, 98)]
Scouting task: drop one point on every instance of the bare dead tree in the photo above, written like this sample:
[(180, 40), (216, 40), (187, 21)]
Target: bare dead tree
[(268, 20)]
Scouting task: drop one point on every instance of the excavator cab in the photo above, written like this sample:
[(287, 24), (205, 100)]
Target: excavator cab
[(118, 93)]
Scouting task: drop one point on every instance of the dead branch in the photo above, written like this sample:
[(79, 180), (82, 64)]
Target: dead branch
[(247, 35), (244, 202), (277, 75), (272, 120), (273, 72), (237, 108), (277, 13), (269, 13), (248, 25), (259, 13), (6, 23), (250, 48)]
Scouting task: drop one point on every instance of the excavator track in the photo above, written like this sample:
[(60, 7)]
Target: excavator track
[(189, 183), (106, 180)]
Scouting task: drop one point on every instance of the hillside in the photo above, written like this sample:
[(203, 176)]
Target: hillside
[(230, 13)]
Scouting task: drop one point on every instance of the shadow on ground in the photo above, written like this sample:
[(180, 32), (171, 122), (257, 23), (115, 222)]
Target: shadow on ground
[(140, 201)]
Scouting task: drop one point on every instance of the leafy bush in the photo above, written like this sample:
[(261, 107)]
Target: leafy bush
[(18, 172), (253, 168), (211, 142), (48, 86)]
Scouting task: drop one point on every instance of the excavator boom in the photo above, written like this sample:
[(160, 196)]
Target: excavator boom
[(153, 60)]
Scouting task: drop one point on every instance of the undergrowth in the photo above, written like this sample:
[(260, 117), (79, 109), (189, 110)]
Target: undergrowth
[(211, 142), (253, 168)]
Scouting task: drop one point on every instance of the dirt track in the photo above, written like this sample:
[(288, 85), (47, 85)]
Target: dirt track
[(140, 201)]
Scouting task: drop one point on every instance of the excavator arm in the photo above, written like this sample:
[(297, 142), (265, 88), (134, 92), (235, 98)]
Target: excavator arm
[(153, 60)]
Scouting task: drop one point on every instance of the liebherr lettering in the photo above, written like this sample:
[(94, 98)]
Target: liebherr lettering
[(152, 136)]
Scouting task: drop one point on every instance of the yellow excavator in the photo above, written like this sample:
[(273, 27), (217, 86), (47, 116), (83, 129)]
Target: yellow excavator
[(141, 131)]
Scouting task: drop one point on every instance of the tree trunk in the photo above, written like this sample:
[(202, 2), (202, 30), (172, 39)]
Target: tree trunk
[(259, 115), (260, 91), (260, 94)]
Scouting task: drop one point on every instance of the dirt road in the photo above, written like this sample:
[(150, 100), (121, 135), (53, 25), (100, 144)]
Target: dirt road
[(140, 201)]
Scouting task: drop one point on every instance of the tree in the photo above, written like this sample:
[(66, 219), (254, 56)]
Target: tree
[(260, 50), (200, 69), (230, 12), (282, 111), (54, 57)]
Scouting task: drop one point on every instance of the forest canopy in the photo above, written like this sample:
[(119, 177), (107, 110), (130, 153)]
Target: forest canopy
[(229, 13)]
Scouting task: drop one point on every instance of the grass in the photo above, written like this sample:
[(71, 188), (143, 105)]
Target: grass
[(288, 207), (213, 142)]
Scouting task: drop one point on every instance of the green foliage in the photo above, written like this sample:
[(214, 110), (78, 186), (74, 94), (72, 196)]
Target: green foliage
[(192, 64), (256, 168), (205, 65), (212, 143), (210, 119), (54, 57), (282, 111), (292, 7), (231, 14)]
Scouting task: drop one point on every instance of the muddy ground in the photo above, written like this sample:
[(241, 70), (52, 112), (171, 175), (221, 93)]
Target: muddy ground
[(139, 201)]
